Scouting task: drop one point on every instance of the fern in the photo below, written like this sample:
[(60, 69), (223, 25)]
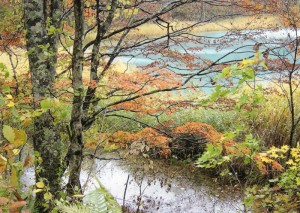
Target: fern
[(75, 208), (35, 209), (98, 201)]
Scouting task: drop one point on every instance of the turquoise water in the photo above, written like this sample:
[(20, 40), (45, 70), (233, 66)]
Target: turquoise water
[(220, 47), (217, 45)]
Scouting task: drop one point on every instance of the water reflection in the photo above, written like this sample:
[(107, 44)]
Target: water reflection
[(180, 193)]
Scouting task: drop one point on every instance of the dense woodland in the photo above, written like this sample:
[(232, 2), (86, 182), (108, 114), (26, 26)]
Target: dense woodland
[(209, 85)]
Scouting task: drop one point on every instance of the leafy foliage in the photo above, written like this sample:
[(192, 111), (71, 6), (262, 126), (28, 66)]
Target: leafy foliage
[(278, 165), (281, 194), (11, 142)]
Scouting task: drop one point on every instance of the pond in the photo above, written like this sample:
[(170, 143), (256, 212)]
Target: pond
[(165, 188), (227, 46)]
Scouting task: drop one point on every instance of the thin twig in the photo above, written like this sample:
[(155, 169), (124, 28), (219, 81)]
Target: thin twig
[(124, 197)]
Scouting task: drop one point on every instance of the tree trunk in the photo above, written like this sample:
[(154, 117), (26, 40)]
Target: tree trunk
[(101, 30), (74, 156), (46, 137)]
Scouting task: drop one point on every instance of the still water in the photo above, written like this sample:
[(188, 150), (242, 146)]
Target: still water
[(165, 188)]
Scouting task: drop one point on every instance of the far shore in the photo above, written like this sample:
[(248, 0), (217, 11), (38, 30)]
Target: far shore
[(152, 30), (236, 23)]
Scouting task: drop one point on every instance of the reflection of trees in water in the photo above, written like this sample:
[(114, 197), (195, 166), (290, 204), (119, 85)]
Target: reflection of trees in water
[(176, 187)]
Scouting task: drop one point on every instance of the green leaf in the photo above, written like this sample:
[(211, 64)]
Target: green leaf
[(9, 133), (243, 99), (46, 104), (211, 157), (14, 177), (298, 181), (37, 113), (229, 135), (101, 200), (51, 30), (226, 73), (15, 112), (74, 208), (2, 102), (48, 196), (5, 89)]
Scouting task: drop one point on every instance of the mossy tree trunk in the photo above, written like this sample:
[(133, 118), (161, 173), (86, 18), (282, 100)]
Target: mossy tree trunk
[(46, 137)]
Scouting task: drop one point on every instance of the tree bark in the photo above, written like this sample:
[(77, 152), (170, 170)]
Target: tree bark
[(46, 137), (74, 156)]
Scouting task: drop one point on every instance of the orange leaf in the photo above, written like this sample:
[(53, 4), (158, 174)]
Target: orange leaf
[(3, 201), (13, 206)]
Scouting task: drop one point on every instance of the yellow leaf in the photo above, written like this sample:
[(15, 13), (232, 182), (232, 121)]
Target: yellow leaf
[(20, 137), (274, 155), (285, 148), (246, 62), (9, 97), (26, 122), (40, 184), (10, 104), (3, 163), (135, 11), (293, 167), (266, 159), (78, 196), (37, 190), (3, 158), (16, 151), (295, 152), (290, 162), (226, 158)]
